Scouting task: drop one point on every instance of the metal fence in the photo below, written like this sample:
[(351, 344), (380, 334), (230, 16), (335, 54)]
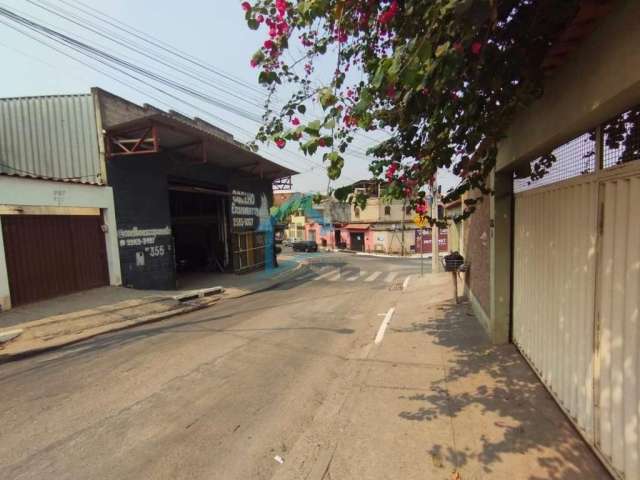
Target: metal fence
[(609, 145)]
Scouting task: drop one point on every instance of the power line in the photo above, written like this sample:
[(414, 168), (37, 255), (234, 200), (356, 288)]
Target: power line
[(149, 39), (95, 52), (157, 99), (83, 23), (121, 66)]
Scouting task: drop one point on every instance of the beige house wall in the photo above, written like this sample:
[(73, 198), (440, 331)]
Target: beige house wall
[(600, 80), (387, 241), (375, 212)]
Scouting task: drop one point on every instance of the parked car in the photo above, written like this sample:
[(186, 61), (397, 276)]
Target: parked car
[(305, 246), (286, 242)]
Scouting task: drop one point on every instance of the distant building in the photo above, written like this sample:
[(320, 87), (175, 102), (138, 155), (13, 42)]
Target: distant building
[(381, 226), (96, 190)]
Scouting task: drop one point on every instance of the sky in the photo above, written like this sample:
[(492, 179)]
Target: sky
[(212, 31)]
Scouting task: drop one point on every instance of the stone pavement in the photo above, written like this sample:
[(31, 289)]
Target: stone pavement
[(436, 400)]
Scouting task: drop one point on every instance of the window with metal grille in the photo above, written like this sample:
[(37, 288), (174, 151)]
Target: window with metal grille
[(621, 139), (387, 210), (572, 159)]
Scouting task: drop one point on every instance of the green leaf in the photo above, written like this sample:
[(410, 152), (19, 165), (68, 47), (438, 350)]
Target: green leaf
[(330, 123), (310, 147), (327, 98), (313, 128), (302, 109), (253, 24), (363, 103), (381, 71), (442, 49)]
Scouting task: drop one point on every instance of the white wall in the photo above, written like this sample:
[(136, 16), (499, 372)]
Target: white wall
[(44, 193), (5, 299)]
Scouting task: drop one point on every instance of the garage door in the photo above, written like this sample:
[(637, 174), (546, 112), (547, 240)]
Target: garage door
[(576, 304), (554, 291), (51, 255)]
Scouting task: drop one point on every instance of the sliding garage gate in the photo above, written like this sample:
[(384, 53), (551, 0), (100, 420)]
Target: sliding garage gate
[(51, 255), (576, 304)]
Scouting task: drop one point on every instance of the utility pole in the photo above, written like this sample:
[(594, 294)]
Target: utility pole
[(404, 210), (435, 234)]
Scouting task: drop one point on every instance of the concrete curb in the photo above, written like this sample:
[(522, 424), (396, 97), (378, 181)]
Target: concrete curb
[(14, 351), (278, 279), (22, 342)]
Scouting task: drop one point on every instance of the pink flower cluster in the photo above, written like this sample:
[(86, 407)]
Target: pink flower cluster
[(391, 171), (421, 207), (386, 16)]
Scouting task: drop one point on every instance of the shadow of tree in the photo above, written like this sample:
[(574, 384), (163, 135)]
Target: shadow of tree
[(496, 381)]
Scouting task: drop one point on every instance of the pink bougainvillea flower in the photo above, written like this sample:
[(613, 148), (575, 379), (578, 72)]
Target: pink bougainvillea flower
[(268, 44), (259, 19), (281, 6), (281, 142), (295, 121), (253, 63), (341, 35), (389, 13), (391, 91), (246, 6), (322, 142), (476, 47)]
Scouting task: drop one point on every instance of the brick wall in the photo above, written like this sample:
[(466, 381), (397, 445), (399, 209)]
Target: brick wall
[(477, 254)]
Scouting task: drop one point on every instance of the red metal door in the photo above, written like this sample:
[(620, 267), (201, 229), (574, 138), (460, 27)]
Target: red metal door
[(51, 255)]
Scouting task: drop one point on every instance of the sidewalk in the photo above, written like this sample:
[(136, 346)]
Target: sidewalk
[(435, 400), (71, 318)]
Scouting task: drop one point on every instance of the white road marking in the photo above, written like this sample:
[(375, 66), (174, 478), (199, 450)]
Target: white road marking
[(390, 277), (372, 277), (336, 277), (326, 274), (306, 276), (357, 276), (384, 325), (406, 282)]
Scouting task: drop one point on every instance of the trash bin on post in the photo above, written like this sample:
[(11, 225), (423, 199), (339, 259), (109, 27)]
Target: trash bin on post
[(453, 263)]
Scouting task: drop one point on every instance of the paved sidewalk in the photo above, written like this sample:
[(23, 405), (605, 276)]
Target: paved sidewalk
[(435, 400), (53, 323), (99, 297)]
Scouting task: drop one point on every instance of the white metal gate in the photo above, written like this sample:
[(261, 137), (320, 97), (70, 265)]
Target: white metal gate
[(576, 304)]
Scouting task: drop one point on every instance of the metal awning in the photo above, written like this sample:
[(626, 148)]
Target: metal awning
[(357, 226), (165, 133)]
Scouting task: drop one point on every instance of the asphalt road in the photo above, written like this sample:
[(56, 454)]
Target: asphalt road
[(215, 394)]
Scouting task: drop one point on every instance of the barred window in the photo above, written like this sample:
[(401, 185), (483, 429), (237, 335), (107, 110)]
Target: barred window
[(572, 159), (621, 138)]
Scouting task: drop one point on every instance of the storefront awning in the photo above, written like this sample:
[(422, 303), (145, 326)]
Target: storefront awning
[(357, 226), (163, 132)]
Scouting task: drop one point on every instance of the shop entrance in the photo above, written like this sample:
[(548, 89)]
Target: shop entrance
[(199, 227), (357, 241)]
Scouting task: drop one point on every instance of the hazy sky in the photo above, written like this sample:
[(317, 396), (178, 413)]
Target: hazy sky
[(214, 31)]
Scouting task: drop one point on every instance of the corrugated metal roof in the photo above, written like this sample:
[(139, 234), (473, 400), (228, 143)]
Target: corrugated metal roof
[(51, 137)]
